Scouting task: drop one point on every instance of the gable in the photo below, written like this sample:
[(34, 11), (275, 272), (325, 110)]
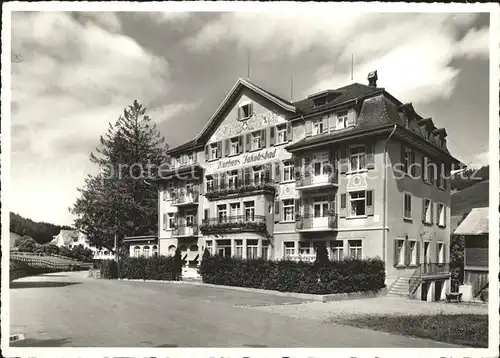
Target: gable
[(225, 122), (233, 123)]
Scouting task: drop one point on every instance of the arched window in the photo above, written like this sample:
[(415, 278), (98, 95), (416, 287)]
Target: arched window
[(155, 250), (146, 251), (171, 250), (137, 251)]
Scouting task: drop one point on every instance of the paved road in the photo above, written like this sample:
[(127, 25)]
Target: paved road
[(71, 310)]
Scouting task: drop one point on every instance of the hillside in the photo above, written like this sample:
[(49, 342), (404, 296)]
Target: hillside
[(13, 238), (40, 231), (464, 200)]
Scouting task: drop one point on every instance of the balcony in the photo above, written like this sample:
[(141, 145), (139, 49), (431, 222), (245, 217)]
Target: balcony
[(311, 223), (305, 182), (186, 231), (240, 223), (185, 198), (240, 187), (433, 269)]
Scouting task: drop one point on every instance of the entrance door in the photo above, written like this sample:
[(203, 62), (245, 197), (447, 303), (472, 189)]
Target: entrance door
[(224, 251), (423, 295), (320, 213), (438, 286)]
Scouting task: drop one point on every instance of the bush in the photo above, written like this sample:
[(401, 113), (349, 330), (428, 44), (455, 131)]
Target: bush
[(164, 268), (109, 269), (348, 275), (321, 254)]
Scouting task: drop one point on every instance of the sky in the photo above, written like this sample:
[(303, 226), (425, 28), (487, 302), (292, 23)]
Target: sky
[(73, 73)]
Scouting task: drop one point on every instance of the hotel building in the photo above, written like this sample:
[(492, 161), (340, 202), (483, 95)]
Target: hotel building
[(352, 169)]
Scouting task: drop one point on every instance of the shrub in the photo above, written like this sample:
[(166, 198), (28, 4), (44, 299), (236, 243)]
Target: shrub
[(321, 254), (109, 269), (348, 275), (163, 268)]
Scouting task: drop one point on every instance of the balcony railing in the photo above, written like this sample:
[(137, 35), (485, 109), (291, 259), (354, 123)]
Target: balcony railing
[(301, 257), (239, 186), (185, 198), (186, 231), (306, 181), (325, 222), (427, 270), (238, 223)]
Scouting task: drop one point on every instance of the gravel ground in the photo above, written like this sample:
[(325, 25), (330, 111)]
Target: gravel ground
[(343, 310)]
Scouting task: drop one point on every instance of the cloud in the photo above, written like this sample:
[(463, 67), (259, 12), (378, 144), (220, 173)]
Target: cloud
[(412, 52)]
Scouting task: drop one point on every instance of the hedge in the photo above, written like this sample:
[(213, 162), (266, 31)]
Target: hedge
[(344, 276), (108, 268), (164, 268)]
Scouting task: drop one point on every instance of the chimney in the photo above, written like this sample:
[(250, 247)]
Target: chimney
[(372, 79)]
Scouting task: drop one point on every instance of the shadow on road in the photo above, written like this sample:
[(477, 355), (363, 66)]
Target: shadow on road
[(53, 275), (41, 342), (255, 345), (40, 284), (167, 345)]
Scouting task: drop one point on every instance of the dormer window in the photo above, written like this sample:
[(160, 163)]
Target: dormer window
[(245, 111), (405, 121), (318, 126), (190, 159), (342, 120)]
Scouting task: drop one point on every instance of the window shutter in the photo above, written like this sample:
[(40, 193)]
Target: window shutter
[(298, 203), (267, 172), (418, 252), (227, 144), (306, 207), (289, 131), (277, 173), (343, 206), (165, 221), (344, 161), (308, 128), (403, 165), (369, 202), (176, 223), (370, 156), (333, 122), (413, 166), (431, 174), (206, 153), (445, 259), (272, 138), (423, 210), (444, 216), (325, 124), (297, 167), (431, 204), (263, 138), (248, 142), (240, 144), (350, 118), (437, 252), (277, 215), (239, 113), (206, 215), (396, 253), (219, 149), (423, 168), (282, 212)]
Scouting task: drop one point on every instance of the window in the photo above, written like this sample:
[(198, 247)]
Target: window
[(189, 220), (407, 152), (265, 249), (190, 159), (249, 211), (235, 146), (305, 248), (213, 151), (137, 251), (171, 191), (357, 158), (318, 126), (321, 163), (222, 212), (427, 258), (288, 206), (210, 183), (145, 251), (235, 209), (239, 248), (425, 168), (407, 206), (355, 249), (441, 215), (210, 246), (413, 252), (189, 188), (320, 206), (246, 110), (281, 134), (427, 215), (337, 248), (440, 247), (252, 249), (288, 170), (342, 120), (400, 252), (232, 179), (289, 248), (358, 200), (155, 250), (171, 221), (256, 140), (258, 175)]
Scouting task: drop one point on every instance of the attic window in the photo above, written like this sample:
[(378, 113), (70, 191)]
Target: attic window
[(320, 101), (245, 111)]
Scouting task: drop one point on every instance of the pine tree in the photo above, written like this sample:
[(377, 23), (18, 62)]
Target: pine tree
[(118, 200)]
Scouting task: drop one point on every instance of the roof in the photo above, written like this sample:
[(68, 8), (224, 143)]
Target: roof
[(377, 112), (345, 94), (476, 223), (67, 235)]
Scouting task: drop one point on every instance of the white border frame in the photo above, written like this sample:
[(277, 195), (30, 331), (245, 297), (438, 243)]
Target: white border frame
[(492, 8)]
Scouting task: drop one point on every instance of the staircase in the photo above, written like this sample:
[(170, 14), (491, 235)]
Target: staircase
[(400, 288)]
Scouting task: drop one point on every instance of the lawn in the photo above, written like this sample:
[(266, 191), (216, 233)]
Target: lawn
[(463, 329)]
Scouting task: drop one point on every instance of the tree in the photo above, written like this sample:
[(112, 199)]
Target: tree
[(457, 247), (117, 200), (27, 244), (178, 262)]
